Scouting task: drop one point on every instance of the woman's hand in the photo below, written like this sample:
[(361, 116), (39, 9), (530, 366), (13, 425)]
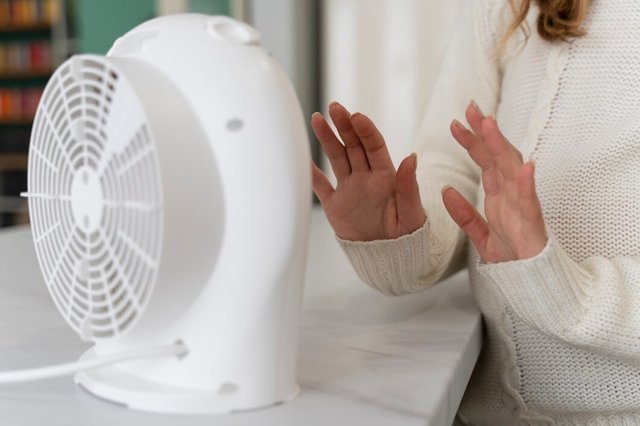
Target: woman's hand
[(514, 228), (371, 201)]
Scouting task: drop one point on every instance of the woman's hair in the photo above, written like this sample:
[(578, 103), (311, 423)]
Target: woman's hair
[(558, 19)]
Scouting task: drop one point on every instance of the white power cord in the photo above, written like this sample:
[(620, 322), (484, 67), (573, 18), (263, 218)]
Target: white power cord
[(178, 349)]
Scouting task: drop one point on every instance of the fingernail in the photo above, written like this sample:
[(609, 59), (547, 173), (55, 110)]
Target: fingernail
[(477, 108), (457, 124), (415, 161), (444, 188), (315, 113)]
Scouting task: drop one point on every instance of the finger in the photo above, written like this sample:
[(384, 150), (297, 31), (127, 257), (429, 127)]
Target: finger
[(473, 144), (491, 181), (533, 227), (331, 146), (507, 158), (467, 218), (373, 142), (355, 151), (474, 117), (410, 211), (321, 185)]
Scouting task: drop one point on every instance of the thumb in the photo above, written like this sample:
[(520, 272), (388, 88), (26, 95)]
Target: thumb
[(411, 215)]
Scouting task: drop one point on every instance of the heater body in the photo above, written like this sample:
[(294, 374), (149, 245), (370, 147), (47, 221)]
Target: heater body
[(229, 218)]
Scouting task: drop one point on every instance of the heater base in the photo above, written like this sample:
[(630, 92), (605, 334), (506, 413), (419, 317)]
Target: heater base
[(121, 387)]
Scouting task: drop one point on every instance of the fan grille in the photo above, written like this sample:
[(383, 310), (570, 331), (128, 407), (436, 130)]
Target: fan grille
[(95, 197)]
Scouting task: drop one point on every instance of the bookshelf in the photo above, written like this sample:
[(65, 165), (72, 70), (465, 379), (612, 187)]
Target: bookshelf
[(33, 41)]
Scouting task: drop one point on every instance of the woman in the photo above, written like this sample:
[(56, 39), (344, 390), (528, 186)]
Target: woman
[(555, 265)]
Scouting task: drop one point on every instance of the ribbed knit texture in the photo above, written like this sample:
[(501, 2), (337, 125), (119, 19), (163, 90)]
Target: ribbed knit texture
[(562, 328), (392, 266)]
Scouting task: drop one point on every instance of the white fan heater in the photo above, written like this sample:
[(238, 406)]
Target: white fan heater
[(170, 196)]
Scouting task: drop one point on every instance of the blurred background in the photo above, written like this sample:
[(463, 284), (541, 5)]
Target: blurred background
[(379, 57)]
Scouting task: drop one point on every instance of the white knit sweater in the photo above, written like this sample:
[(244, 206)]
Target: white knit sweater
[(562, 341)]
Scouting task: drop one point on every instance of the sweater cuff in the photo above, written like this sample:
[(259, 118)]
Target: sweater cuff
[(548, 291), (394, 266)]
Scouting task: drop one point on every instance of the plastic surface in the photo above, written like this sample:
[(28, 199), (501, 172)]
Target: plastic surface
[(233, 167)]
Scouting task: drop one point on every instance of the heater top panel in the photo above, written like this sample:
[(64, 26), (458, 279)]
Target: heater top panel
[(95, 197)]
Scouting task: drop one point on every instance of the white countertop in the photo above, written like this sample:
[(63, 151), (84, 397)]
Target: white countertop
[(365, 359)]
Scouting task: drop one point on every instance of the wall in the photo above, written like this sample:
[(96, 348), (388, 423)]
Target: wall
[(99, 22), (383, 60)]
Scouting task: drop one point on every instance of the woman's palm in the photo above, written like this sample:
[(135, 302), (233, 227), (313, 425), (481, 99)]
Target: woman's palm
[(514, 227), (371, 200)]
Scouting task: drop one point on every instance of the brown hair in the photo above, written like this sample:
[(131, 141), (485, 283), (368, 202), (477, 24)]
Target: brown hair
[(558, 19)]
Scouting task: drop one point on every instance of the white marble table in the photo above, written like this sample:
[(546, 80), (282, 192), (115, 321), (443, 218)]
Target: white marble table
[(365, 359)]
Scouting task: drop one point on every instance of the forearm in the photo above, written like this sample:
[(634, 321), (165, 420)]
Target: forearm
[(408, 264), (592, 304)]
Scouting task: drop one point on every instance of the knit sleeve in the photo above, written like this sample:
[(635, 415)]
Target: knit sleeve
[(591, 304), (469, 71)]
